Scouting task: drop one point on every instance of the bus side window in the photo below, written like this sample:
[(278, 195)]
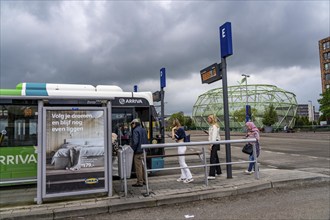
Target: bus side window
[(3, 132), (18, 127)]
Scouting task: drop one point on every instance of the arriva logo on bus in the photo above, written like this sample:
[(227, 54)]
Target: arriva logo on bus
[(130, 101), (18, 159)]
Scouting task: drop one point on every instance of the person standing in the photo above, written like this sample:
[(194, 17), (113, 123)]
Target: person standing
[(285, 129), (252, 132), (179, 135), (214, 135), (139, 137)]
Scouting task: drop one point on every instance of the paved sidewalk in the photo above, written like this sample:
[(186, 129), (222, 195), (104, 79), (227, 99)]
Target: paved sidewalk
[(165, 190)]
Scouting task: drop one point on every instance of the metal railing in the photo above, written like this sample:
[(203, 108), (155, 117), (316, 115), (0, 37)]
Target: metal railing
[(205, 164), (19, 181)]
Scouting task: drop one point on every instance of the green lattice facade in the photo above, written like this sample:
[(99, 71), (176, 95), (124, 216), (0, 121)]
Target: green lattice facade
[(259, 97)]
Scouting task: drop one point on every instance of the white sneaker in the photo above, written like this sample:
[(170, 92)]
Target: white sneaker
[(180, 180), (248, 172), (211, 177), (188, 180)]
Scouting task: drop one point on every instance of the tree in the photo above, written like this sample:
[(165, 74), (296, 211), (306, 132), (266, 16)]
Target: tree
[(179, 116), (270, 116), (184, 120), (240, 114), (325, 104), (189, 123), (302, 121)]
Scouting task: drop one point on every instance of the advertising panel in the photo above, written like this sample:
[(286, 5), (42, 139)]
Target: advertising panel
[(74, 149)]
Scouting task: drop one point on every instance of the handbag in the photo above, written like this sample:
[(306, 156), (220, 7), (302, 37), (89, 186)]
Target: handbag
[(187, 138), (217, 146), (248, 149)]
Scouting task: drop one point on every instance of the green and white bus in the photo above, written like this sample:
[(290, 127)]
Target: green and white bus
[(37, 114)]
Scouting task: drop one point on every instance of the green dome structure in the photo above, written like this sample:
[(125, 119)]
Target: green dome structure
[(258, 96)]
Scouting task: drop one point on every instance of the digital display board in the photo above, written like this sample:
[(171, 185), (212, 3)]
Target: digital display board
[(211, 73)]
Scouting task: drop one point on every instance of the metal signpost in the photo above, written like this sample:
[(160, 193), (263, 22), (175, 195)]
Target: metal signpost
[(226, 49), (247, 106), (216, 72), (162, 86)]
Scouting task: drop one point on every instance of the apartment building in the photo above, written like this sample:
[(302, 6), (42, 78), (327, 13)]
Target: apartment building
[(324, 50)]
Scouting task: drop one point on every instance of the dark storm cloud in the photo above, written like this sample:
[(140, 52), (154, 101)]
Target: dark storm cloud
[(127, 42)]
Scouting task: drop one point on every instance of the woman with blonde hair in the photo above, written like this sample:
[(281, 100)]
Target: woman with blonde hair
[(179, 135), (214, 135)]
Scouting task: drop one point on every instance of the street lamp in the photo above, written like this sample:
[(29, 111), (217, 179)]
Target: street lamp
[(311, 113), (247, 117)]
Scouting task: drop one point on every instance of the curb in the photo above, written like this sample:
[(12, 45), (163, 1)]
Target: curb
[(104, 205)]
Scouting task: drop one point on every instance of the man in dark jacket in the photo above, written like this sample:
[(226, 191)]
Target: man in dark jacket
[(139, 137)]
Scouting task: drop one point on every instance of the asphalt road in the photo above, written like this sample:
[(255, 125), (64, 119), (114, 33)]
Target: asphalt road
[(303, 151), (310, 202), (296, 151)]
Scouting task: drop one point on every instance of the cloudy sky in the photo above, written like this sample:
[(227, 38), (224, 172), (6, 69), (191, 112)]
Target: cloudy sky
[(126, 43)]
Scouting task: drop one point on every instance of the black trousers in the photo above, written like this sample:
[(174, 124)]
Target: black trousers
[(214, 159)]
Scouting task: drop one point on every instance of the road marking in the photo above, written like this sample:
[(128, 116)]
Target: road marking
[(267, 151), (272, 166), (280, 153), (313, 157), (296, 155)]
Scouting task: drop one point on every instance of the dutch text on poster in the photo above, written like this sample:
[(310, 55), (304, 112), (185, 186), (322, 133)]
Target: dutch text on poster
[(75, 150)]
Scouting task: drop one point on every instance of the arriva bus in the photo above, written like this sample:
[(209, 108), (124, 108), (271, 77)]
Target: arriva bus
[(70, 123)]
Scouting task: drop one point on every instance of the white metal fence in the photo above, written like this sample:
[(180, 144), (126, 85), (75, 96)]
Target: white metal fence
[(205, 165)]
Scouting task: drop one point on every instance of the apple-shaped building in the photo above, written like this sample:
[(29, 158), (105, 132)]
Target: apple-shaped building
[(259, 97)]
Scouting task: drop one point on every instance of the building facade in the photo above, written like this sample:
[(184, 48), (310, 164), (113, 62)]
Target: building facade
[(324, 50), (303, 110), (307, 110)]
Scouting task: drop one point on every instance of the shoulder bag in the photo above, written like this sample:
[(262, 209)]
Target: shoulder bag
[(248, 149)]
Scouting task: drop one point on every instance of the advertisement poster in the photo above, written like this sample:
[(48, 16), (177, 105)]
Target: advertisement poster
[(75, 149)]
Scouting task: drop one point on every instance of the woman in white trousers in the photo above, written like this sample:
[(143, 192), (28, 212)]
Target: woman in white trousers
[(179, 135)]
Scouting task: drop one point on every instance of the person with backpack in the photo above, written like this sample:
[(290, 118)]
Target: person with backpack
[(214, 135), (179, 135)]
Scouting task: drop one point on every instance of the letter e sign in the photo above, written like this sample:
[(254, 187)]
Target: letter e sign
[(226, 47)]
